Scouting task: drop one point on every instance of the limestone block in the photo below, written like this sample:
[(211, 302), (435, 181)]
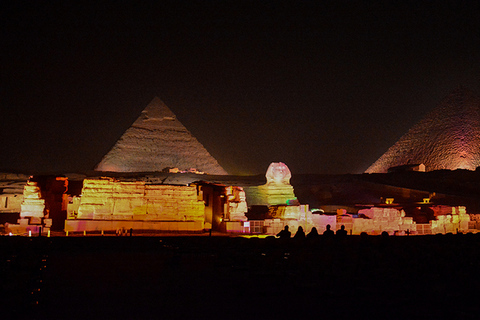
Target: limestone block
[(149, 192), (31, 191), (140, 209), (121, 217), (148, 217), (47, 222), (32, 209), (22, 222), (463, 225), (126, 206), (367, 212), (85, 213), (460, 210), (106, 209), (151, 208), (294, 212), (234, 226), (449, 227), (167, 192), (97, 189), (36, 220), (97, 199)]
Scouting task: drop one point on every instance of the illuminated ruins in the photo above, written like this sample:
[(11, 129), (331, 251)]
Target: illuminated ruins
[(446, 138), (150, 182), (109, 204)]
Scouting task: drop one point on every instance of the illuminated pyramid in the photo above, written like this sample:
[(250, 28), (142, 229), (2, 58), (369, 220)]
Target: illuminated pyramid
[(155, 141), (447, 138)]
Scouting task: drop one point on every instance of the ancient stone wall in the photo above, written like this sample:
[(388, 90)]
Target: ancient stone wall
[(108, 199), (181, 203), (236, 203), (383, 219), (455, 219), (33, 205), (11, 202)]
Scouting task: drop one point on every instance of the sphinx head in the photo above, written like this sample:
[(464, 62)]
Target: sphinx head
[(278, 173)]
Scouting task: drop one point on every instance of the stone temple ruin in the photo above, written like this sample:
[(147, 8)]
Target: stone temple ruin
[(106, 204), (447, 138), (131, 189)]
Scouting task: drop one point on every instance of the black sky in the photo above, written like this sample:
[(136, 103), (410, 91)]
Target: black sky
[(324, 86)]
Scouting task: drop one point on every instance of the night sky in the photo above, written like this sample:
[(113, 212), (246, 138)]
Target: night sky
[(324, 86)]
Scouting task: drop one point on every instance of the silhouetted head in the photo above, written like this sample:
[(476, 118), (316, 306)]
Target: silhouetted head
[(328, 227), (342, 227), (300, 229), (286, 228)]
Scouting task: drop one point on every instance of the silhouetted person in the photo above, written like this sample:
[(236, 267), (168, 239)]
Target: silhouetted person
[(313, 234), (300, 234), (284, 234), (342, 232), (328, 232)]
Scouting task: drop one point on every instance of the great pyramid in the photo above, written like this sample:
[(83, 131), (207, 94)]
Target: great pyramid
[(155, 141), (447, 138)]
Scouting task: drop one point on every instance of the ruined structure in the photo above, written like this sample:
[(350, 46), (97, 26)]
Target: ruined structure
[(33, 205), (112, 204), (145, 203), (156, 141), (447, 138), (11, 192), (44, 205)]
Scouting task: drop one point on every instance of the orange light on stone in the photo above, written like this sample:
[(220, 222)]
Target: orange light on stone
[(447, 138)]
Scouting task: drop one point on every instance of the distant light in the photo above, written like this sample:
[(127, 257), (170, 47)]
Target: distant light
[(260, 236)]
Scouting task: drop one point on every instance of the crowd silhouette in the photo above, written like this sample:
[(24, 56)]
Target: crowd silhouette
[(313, 234)]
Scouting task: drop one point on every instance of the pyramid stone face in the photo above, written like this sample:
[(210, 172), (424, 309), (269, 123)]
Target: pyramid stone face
[(447, 138), (157, 140)]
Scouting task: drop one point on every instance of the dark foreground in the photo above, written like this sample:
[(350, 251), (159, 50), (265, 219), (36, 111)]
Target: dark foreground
[(237, 278)]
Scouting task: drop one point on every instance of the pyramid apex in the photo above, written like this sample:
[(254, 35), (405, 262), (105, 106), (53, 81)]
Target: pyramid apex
[(157, 109)]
